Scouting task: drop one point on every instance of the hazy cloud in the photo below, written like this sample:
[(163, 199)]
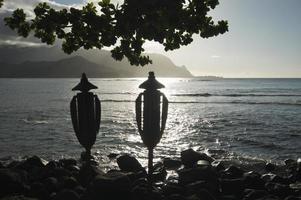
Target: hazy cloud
[(215, 56), (9, 37)]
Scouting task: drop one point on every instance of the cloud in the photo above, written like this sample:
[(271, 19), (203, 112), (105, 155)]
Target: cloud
[(9, 37), (215, 56)]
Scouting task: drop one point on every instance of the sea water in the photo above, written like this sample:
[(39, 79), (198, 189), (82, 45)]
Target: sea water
[(245, 119)]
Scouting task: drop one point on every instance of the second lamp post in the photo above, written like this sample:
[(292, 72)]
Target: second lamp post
[(151, 117)]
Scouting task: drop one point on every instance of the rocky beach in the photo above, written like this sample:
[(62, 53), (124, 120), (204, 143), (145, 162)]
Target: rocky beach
[(194, 176)]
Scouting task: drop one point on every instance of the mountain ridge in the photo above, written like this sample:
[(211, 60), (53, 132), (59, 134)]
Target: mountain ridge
[(51, 62)]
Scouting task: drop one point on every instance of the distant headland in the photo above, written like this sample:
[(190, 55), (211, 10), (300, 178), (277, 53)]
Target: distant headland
[(45, 62)]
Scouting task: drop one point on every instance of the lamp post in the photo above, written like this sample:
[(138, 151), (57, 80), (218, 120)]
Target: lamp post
[(85, 114), (150, 117)]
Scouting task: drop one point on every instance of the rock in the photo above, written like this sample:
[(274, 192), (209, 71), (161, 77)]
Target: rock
[(219, 166), (234, 172), (67, 195), (203, 163), (129, 163), (38, 190), (199, 187), (252, 180), (277, 189), (159, 172), (32, 162), (171, 164), (192, 197), (292, 198), (205, 195), (19, 197), (67, 162), (269, 167), (170, 189), (79, 190), (255, 194), (190, 157), (145, 192), (203, 173), (70, 182), (175, 197), (232, 187), (10, 182), (110, 186), (51, 184), (87, 173)]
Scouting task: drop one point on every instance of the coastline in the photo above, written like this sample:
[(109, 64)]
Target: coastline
[(195, 176)]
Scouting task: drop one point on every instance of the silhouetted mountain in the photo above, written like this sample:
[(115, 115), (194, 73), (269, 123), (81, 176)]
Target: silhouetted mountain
[(52, 62)]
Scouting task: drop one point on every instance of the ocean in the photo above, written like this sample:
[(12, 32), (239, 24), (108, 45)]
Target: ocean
[(249, 120)]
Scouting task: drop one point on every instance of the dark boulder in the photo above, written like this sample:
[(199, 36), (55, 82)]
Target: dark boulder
[(202, 173), (67, 162), (232, 187), (87, 173), (10, 182), (269, 167), (233, 172), (67, 194), (159, 172), (112, 186), (129, 163), (252, 180), (254, 194), (190, 157), (171, 163)]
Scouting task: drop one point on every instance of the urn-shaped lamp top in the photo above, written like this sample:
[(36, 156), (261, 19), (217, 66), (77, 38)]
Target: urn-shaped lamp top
[(151, 83), (84, 85)]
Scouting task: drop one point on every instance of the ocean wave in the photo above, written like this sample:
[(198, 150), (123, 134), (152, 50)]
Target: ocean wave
[(35, 121), (236, 95), (211, 102)]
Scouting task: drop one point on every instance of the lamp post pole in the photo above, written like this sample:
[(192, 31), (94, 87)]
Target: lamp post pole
[(85, 110), (151, 116)]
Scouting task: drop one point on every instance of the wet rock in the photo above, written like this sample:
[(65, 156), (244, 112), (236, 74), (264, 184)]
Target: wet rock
[(252, 180), (67, 194), (110, 186), (159, 172), (219, 166), (232, 187), (255, 194), (205, 195), (18, 197), (171, 163), (190, 157), (10, 182), (38, 190), (175, 197), (145, 192), (51, 184), (234, 172), (32, 162), (192, 197), (277, 189), (169, 189), (129, 163), (87, 173), (70, 182), (203, 173), (269, 167), (200, 187), (67, 162), (79, 190)]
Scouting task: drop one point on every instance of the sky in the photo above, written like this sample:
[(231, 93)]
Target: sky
[(263, 40)]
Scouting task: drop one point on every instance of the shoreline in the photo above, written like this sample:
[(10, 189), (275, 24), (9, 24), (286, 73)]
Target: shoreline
[(195, 176)]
